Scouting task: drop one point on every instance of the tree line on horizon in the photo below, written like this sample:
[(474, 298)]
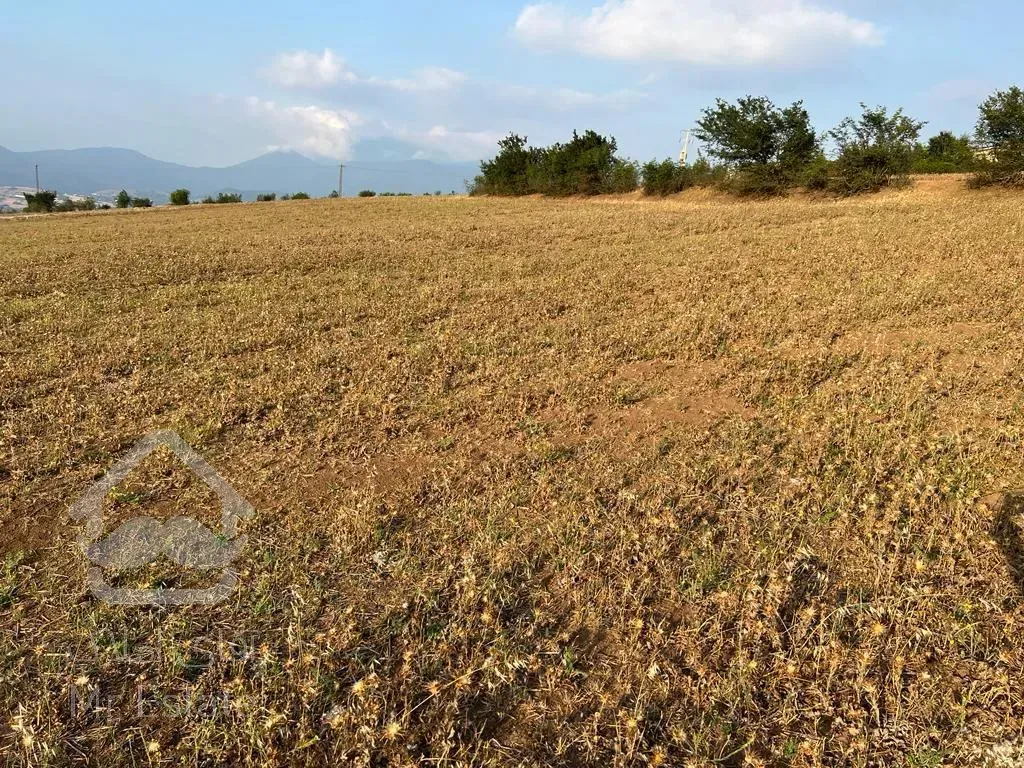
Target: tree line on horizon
[(755, 148), (45, 201)]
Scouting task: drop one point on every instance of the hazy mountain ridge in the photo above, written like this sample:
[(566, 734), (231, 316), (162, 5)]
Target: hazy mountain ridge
[(98, 170)]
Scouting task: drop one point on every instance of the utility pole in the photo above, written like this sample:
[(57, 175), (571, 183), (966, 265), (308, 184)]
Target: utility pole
[(341, 170), (37, 178)]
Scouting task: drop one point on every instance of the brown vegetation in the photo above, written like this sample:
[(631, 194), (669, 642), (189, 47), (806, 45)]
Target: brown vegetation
[(605, 482)]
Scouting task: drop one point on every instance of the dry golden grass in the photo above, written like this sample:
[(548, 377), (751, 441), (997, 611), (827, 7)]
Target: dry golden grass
[(608, 482)]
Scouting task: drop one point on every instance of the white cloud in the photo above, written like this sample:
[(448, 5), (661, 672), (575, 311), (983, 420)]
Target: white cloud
[(702, 32), (461, 145), (451, 143), (429, 79), (315, 130), (303, 69)]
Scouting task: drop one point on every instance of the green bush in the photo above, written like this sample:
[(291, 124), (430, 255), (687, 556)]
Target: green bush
[(222, 198), (67, 205), (925, 164), (703, 173), (300, 196), (506, 173), (40, 202), (876, 150), (180, 197), (668, 177), (585, 165), (367, 193), (664, 178), (816, 175), (124, 200), (759, 181), (334, 195), (621, 178), (764, 149), (266, 198), (579, 167), (944, 153), (141, 202)]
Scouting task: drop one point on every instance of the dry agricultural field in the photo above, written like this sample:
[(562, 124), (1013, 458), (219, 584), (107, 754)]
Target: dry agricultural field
[(685, 482)]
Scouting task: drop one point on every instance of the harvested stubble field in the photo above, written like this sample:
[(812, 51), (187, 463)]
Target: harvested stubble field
[(584, 482)]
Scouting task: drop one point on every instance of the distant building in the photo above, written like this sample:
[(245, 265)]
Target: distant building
[(985, 153)]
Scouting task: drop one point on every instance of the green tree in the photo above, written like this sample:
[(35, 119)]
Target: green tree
[(800, 144), (505, 174), (875, 150), (585, 165), (589, 160), (1001, 124), (41, 202), (768, 148), (124, 200), (944, 153), (180, 197), (1000, 131), (300, 196)]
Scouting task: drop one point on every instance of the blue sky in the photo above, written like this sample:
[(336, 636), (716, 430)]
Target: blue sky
[(219, 82)]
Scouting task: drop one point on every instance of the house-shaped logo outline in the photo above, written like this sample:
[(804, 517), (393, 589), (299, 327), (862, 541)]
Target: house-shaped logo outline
[(90, 508)]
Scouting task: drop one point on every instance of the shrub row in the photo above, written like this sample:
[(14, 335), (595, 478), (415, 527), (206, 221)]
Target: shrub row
[(46, 201), (757, 148)]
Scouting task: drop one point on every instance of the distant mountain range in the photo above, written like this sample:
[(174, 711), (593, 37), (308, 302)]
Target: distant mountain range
[(384, 166)]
